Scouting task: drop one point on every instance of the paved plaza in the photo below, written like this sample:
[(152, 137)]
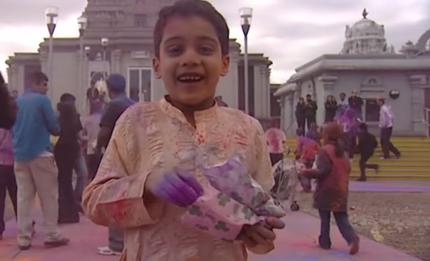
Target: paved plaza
[(297, 242)]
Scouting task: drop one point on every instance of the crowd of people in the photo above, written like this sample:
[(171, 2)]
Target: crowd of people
[(41, 150), (348, 114)]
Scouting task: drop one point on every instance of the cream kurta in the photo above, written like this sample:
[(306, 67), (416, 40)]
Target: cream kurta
[(151, 138)]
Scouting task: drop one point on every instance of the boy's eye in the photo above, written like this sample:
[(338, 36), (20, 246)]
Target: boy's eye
[(206, 49), (174, 50)]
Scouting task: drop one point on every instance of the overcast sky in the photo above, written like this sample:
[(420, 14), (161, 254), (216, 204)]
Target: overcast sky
[(289, 32)]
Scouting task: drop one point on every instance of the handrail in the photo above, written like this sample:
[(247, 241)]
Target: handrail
[(427, 120)]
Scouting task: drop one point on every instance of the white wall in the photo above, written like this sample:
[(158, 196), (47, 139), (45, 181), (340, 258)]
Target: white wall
[(64, 77)]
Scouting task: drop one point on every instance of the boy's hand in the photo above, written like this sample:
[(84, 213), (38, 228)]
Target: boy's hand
[(260, 233), (178, 187)]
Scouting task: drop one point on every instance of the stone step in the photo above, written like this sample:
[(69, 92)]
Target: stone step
[(395, 172), (393, 177), (400, 168)]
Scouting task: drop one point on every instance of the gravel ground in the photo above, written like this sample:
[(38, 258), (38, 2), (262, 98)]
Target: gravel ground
[(400, 220)]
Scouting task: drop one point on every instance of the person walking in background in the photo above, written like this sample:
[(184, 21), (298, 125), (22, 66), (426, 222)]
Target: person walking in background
[(330, 108), (343, 102), (306, 151), (66, 153), (331, 194), (350, 124), (275, 138), (116, 84), (314, 133), (7, 174), (342, 105), (310, 111), (300, 113), (355, 102), (91, 130), (386, 120), (366, 146), (80, 169), (35, 167), (93, 99)]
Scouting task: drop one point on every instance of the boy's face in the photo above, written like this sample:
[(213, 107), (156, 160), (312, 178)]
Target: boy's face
[(190, 60)]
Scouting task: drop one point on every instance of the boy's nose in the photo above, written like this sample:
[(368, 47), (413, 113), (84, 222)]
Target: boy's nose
[(190, 58)]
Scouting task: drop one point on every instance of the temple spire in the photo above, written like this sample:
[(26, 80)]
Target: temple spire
[(365, 13)]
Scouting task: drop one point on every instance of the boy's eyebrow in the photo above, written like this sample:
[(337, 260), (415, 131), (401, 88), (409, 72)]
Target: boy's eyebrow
[(200, 38)]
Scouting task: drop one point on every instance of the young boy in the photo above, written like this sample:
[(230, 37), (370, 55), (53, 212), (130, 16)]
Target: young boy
[(147, 180), (366, 146)]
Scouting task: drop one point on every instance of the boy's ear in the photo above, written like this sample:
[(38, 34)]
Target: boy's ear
[(156, 66), (225, 64)]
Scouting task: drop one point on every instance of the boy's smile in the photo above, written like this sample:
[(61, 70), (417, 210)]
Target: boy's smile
[(190, 61)]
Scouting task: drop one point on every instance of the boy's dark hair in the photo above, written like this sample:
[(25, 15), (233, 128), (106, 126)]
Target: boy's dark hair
[(38, 77), (187, 8)]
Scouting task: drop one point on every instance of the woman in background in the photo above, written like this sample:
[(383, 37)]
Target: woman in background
[(330, 108), (66, 153)]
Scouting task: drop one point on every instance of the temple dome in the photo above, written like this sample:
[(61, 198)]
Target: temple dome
[(365, 37)]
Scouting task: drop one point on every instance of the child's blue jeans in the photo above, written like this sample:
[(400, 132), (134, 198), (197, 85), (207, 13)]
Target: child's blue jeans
[(343, 224)]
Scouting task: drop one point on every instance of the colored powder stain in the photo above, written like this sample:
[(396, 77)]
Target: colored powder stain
[(343, 254)]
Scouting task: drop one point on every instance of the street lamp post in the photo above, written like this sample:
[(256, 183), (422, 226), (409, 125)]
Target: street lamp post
[(51, 14), (105, 42), (82, 23), (246, 17)]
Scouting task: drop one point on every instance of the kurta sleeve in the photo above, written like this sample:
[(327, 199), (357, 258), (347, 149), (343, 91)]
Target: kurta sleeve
[(115, 196), (263, 174)]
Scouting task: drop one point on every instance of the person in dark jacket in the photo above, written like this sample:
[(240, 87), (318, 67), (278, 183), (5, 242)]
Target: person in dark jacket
[(355, 102), (331, 194), (330, 108), (66, 154), (366, 146), (310, 111), (300, 113), (116, 85)]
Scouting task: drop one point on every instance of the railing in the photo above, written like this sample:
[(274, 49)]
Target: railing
[(427, 120)]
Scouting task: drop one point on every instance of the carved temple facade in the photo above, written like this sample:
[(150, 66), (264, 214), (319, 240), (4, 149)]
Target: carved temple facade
[(78, 63), (366, 64)]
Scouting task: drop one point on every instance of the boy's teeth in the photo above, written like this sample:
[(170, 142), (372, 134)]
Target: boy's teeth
[(189, 78)]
